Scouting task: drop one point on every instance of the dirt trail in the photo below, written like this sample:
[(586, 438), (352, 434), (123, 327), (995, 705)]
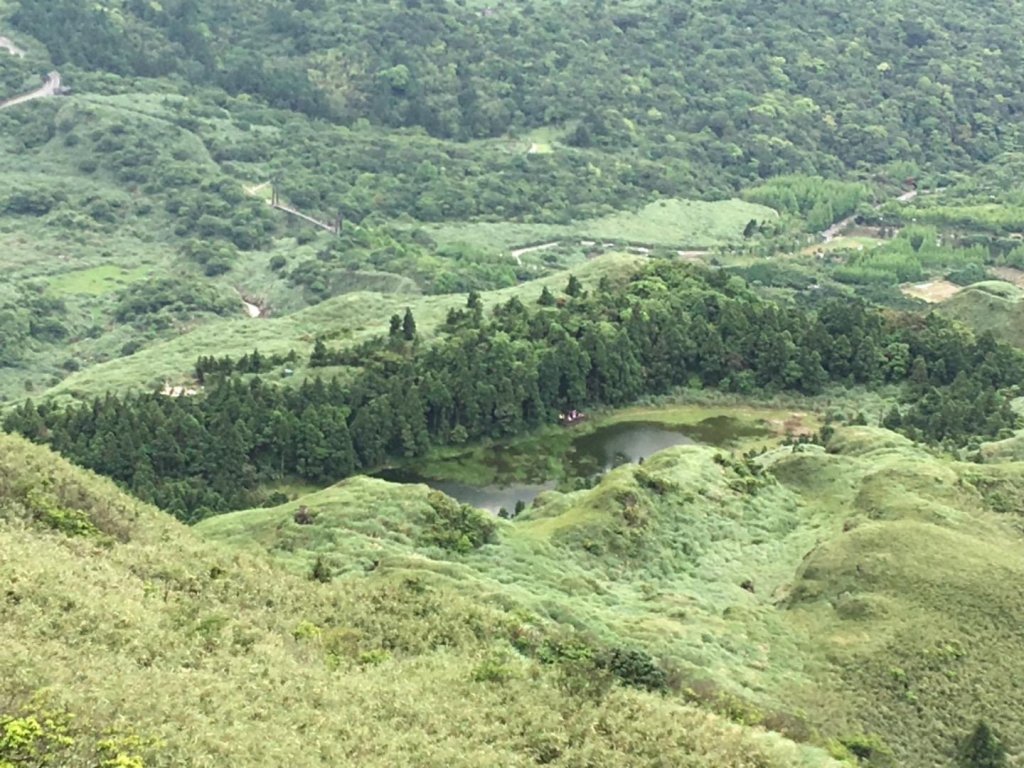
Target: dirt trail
[(51, 87), (518, 253), (833, 232), (8, 45)]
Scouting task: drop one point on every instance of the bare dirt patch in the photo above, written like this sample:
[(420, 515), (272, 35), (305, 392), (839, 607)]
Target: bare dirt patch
[(1009, 274), (934, 291), (794, 425)]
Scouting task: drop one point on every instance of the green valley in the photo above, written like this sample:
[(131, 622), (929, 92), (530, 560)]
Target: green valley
[(440, 383)]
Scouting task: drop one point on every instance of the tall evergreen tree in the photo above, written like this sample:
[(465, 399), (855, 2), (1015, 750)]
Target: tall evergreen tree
[(319, 358), (408, 325), (982, 749)]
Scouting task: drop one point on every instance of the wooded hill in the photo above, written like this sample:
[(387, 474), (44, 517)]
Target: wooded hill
[(825, 85), (669, 325)]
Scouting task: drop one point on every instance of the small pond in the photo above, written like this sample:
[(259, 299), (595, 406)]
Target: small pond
[(489, 497), (592, 453)]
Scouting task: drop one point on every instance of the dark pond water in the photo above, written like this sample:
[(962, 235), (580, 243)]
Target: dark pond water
[(489, 497), (590, 454)]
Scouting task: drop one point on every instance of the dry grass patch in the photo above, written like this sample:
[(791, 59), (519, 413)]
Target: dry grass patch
[(933, 291)]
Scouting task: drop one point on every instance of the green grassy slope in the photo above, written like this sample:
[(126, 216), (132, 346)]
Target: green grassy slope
[(669, 223), (129, 640), (880, 580), (347, 319), (989, 306)]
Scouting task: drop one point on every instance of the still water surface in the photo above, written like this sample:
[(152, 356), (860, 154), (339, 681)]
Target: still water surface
[(591, 453)]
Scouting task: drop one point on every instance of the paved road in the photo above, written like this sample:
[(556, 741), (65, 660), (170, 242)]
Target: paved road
[(50, 88)]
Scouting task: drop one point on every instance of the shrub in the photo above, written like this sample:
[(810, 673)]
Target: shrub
[(457, 527)]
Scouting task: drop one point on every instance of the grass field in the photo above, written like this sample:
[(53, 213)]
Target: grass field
[(95, 281), (989, 306), (683, 224), (135, 638), (876, 578)]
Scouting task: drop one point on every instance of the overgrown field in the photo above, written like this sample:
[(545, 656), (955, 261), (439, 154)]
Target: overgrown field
[(859, 594), (200, 654)]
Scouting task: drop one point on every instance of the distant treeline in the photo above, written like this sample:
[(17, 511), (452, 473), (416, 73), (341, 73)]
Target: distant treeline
[(255, 362), (500, 374)]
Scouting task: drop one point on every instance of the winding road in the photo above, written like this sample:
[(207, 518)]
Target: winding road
[(833, 232), (51, 87)]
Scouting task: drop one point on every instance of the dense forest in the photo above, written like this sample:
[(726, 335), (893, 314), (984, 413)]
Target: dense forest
[(826, 87), (671, 325)]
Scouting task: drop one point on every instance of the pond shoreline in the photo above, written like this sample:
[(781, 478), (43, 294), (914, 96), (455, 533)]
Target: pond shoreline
[(496, 474)]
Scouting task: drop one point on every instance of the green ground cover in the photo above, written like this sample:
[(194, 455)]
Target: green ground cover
[(95, 281), (839, 596), (683, 224), (992, 306), (201, 654)]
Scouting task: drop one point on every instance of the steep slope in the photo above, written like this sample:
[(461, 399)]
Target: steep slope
[(129, 642), (861, 596)]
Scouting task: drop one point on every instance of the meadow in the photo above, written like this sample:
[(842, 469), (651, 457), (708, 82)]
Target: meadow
[(673, 223), (835, 593)]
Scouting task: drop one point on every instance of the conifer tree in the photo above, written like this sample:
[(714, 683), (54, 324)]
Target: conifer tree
[(408, 325), (982, 749), (318, 358)]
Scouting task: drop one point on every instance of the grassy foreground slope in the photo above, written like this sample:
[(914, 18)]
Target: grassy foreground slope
[(129, 642), (860, 596)]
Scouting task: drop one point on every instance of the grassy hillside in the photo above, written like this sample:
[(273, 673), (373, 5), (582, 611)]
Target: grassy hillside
[(130, 642), (859, 595), (343, 320), (990, 306)]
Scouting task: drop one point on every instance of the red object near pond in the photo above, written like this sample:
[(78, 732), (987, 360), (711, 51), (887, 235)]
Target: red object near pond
[(569, 418)]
